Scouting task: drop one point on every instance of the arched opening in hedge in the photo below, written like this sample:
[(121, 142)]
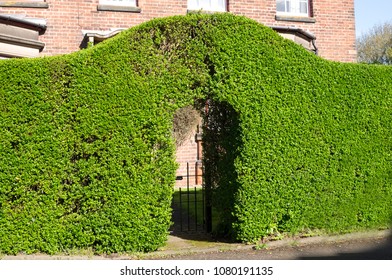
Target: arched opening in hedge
[(296, 143), (221, 143)]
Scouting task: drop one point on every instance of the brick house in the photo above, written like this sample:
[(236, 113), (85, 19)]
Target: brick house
[(49, 27)]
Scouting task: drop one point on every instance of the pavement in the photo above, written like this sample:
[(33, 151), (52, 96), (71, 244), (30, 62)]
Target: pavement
[(373, 245), (362, 245)]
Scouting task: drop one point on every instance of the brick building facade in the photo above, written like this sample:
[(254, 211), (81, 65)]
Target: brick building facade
[(64, 26), (332, 22)]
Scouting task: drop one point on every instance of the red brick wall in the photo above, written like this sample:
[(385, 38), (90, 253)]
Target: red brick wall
[(334, 24), (67, 18), (189, 156)]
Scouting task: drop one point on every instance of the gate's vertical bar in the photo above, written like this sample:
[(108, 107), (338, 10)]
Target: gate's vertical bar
[(202, 206), (187, 189), (195, 210), (208, 198), (180, 209)]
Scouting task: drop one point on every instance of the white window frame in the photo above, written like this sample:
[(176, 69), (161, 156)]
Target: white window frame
[(122, 3), (293, 8), (207, 5)]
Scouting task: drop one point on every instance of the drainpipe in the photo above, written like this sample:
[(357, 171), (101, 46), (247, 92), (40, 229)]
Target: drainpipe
[(315, 47)]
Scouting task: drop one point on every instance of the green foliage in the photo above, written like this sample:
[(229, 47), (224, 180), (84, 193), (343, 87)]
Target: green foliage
[(86, 149), (375, 46), (294, 142)]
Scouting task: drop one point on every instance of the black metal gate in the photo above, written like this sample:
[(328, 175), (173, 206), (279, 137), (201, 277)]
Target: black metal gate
[(189, 206)]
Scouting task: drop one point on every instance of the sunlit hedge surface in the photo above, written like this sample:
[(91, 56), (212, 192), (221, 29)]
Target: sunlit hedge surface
[(292, 142)]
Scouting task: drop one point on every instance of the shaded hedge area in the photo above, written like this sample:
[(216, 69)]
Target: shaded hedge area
[(87, 153)]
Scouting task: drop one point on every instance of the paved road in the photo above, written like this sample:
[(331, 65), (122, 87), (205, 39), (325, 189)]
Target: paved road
[(366, 248)]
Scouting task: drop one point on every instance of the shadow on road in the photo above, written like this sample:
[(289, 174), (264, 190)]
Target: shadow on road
[(352, 251)]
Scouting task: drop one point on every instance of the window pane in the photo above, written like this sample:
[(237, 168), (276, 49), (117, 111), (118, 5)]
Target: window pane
[(280, 6), (207, 5), (295, 7), (220, 5), (204, 4), (303, 8), (288, 7)]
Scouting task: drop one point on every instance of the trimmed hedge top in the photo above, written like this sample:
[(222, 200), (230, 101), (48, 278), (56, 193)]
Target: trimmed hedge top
[(87, 154)]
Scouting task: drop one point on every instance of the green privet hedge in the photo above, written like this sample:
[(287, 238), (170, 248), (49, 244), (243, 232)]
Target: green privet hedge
[(86, 148), (292, 142)]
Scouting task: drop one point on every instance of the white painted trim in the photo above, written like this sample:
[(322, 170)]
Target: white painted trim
[(124, 3)]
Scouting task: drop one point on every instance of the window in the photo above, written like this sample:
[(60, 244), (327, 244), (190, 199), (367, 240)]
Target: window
[(207, 5), (118, 2), (118, 6), (293, 7)]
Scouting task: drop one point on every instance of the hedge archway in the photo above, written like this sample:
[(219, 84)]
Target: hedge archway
[(87, 156)]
